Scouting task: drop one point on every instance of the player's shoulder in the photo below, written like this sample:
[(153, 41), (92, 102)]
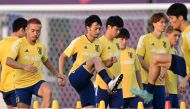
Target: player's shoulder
[(78, 39), (102, 38), (128, 49)]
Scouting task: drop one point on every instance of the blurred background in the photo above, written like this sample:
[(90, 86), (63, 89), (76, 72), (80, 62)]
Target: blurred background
[(61, 25)]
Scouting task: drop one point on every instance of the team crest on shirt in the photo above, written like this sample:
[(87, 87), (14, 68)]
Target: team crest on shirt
[(164, 44), (97, 48), (85, 47), (130, 54), (109, 47), (117, 45), (39, 49)]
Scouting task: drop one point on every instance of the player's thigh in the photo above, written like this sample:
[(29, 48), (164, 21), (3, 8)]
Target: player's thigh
[(42, 89)]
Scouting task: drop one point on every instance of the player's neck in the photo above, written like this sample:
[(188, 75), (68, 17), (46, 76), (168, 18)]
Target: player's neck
[(108, 36), (157, 34), (30, 41), (90, 38), (15, 34), (183, 26)]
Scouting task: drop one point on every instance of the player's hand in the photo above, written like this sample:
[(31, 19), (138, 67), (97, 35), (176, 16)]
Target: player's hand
[(62, 80), (162, 75), (30, 68), (183, 86), (113, 59)]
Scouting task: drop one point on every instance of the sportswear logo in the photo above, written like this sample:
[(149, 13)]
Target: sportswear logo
[(39, 49), (130, 55), (109, 47), (26, 50), (85, 47), (97, 48), (153, 44)]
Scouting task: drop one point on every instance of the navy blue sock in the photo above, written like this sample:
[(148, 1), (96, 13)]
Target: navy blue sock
[(104, 75), (150, 88)]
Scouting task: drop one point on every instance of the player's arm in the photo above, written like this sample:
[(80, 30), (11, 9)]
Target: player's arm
[(141, 52), (184, 83), (138, 72), (12, 63), (11, 59), (62, 60), (50, 67), (109, 62), (143, 64), (139, 80)]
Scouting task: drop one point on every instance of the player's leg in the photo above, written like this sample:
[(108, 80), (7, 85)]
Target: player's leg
[(159, 97), (80, 79), (173, 98), (116, 100), (158, 61), (134, 102), (96, 64), (102, 95), (43, 90), (10, 98), (23, 97)]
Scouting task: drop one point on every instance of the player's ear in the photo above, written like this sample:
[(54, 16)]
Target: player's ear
[(180, 18), (87, 28), (109, 27)]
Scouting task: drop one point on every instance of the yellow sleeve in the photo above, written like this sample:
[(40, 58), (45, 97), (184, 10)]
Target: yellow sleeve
[(137, 63), (44, 56), (186, 49), (15, 48), (141, 46), (72, 48)]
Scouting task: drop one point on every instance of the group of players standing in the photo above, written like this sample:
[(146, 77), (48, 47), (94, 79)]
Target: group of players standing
[(118, 68)]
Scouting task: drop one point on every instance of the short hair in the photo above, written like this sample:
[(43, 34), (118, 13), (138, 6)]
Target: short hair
[(178, 9), (170, 29), (115, 21), (156, 17), (124, 33), (34, 21), (19, 23), (91, 19)]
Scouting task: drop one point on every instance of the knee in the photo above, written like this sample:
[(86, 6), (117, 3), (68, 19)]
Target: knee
[(155, 59), (47, 93)]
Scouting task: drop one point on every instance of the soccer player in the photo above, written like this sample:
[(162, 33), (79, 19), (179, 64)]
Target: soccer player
[(177, 13), (130, 68), (87, 49), (7, 72), (26, 57), (149, 44), (171, 78), (111, 49)]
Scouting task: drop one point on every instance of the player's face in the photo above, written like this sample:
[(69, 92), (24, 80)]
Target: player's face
[(122, 43), (114, 30), (173, 37), (175, 22), (33, 31), (160, 25), (94, 30)]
